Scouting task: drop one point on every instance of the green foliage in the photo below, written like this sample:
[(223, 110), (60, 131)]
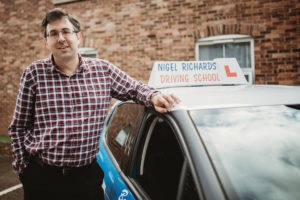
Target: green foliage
[(4, 139)]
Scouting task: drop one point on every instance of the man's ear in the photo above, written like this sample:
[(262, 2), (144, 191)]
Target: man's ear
[(79, 36), (44, 40)]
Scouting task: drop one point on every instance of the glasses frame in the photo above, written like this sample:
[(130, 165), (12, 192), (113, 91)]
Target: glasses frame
[(66, 33)]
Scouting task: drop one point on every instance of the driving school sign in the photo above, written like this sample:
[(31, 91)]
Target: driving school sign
[(220, 71)]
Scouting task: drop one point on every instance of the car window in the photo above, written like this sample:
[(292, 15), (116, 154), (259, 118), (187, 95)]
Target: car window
[(160, 161), (122, 130), (255, 150), (187, 188)]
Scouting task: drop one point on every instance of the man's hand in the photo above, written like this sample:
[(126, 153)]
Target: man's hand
[(164, 102)]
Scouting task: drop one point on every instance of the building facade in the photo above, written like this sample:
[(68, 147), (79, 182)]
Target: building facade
[(264, 35)]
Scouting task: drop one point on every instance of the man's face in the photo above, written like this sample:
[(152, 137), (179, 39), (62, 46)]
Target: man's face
[(62, 40)]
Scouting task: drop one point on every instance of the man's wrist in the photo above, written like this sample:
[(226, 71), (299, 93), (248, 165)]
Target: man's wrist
[(155, 93)]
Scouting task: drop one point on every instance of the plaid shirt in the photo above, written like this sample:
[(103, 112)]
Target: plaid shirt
[(60, 117)]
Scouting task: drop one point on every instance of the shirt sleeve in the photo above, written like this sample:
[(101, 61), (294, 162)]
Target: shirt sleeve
[(125, 88), (22, 122)]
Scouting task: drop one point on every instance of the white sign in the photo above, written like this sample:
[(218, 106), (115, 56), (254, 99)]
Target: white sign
[(220, 71)]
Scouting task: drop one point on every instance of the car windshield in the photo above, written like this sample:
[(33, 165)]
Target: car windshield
[(255, 150)]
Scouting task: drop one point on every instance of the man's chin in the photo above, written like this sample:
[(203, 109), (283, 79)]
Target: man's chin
[(64, 55)]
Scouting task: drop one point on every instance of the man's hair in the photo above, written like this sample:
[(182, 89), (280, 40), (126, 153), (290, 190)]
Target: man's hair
[(56, 14)]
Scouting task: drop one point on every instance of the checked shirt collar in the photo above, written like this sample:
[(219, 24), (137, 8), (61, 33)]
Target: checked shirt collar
[(83, 67)]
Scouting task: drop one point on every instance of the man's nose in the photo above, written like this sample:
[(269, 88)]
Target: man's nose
[(61, 37)]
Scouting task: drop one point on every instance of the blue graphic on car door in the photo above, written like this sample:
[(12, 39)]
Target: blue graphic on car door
[(113, 185)]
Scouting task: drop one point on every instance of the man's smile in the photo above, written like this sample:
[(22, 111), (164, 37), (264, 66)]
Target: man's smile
[(63, 47)]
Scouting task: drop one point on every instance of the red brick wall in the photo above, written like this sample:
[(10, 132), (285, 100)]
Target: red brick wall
[(134, 33)]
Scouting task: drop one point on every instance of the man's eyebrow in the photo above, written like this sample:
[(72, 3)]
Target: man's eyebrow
[(63, 29)]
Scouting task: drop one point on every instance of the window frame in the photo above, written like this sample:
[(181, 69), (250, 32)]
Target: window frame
[(147, 127), (122, 162), (56, 2), (88, 52), (231, 38)]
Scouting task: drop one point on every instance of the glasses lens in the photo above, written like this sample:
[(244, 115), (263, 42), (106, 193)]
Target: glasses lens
[(65, 33)]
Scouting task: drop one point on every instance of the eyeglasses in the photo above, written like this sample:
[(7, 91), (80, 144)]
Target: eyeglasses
[(66, 33)]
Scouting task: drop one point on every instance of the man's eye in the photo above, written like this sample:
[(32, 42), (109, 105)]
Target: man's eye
[(66, 32), (53, 34)]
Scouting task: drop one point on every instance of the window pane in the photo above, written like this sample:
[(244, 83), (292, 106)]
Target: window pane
[(121, 131), (229, 46), (161, 170), (240, 51), (209, 52), (255, 150), (189, 188)]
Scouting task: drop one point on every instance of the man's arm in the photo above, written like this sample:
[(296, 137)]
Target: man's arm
[(22, 121), (125, 88)]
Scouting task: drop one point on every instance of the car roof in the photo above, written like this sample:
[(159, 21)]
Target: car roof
[(217, 83), (205, 97)]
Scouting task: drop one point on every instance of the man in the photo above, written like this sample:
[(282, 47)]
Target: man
[(61, 105)]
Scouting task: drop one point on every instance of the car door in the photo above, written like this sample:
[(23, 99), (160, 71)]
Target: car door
[(144, 157), (116, 146)]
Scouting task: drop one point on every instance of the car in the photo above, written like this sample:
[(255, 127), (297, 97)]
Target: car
[(226, 139)]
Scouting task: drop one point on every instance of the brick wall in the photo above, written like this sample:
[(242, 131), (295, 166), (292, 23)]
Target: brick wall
[(134, 33)]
